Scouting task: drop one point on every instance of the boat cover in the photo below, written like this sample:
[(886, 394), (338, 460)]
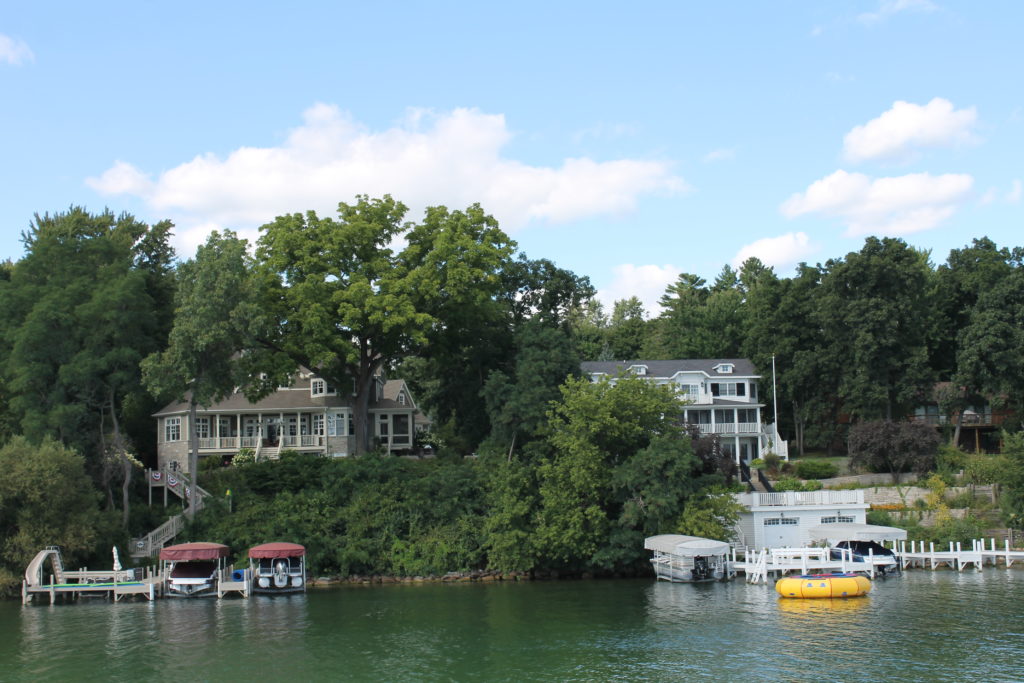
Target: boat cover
[(269, 551), (685, 546), (856, 532), (185, 552)]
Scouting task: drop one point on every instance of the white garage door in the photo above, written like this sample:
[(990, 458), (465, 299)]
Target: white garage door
[(782, 533)]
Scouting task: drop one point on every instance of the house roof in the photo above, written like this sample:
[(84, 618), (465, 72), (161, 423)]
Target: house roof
[(294, 398), (667, 368)]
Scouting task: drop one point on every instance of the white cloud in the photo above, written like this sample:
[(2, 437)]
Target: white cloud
[(990, 196), (898, 132), (452, 158), (721, 154), (1013, 196), (14, 51), (887, 8), (889, 206), (647, 283), (782, 252)]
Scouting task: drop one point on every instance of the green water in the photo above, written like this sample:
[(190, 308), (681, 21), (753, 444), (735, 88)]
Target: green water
[(924, 626)]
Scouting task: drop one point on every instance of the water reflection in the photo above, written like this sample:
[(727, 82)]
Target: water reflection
[(926, 626)]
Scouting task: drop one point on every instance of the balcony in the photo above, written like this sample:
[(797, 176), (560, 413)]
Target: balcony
[(798, 498)]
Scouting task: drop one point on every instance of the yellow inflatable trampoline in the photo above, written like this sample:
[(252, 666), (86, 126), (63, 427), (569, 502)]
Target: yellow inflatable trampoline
[(823, 586)]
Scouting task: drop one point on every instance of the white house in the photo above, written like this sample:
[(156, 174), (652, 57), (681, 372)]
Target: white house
[(784, 519), (721, 394)]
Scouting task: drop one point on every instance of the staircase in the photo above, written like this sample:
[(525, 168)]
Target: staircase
[(56, 563), (179, 484)]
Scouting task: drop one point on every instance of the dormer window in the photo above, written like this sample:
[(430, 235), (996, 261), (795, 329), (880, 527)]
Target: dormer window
[(724, 368), (401, 398), (319, 387), (639, 370)]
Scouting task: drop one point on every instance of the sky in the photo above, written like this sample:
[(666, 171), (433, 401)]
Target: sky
[(627, 143)]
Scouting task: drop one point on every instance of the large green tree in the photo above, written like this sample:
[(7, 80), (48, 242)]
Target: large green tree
[(79, 311), (46, 498), (619, 468), (214, 313), (345, 301), (875, 305)]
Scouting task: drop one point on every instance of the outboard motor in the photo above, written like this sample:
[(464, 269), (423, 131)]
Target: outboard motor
[(701, 570), (280, 574)]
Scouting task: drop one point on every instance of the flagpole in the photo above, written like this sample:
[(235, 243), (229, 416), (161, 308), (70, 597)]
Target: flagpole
[(775, 404)]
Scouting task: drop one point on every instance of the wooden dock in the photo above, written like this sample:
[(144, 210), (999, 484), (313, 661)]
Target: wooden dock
[(106, 584)]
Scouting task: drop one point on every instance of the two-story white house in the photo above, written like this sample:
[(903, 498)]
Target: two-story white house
[(721, 398), (309, 416)]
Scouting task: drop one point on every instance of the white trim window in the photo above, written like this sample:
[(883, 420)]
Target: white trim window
[(203, 427), (318, 425), (172, 429), (336, 423), (837, 519), (776, 521), (728, 389), (320, 387)]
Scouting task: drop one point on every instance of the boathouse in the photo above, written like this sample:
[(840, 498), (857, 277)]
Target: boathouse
[(789, 519)]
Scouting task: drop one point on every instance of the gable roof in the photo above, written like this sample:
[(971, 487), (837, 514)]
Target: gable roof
[(742, 367), (296, 397)]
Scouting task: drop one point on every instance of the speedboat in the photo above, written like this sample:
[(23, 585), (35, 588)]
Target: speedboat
[(193, 569), (871, 552)]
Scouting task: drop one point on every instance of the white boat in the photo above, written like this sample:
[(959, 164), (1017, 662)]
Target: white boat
[(688, 559), (278, 568), (861, 543), (193, 569)]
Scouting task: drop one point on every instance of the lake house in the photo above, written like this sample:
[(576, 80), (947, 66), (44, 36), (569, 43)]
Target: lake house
[(721, 395), (309, 416)]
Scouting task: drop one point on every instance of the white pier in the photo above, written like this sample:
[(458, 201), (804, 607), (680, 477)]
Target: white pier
[(917, 555), (759, 565)]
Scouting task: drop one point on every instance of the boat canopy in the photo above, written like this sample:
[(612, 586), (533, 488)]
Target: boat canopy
[(685, 546), (186, 552), (856, 532), (272, 550)]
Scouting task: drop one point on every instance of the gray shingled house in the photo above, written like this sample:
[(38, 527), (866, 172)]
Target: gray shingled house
[(307, 416)]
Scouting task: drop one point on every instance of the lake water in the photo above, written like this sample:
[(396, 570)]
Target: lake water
[(924, 626)]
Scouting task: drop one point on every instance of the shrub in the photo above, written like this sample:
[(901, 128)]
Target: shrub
[(793, 484), (772, 461), (816, 469), (245, 456), (757, 463)]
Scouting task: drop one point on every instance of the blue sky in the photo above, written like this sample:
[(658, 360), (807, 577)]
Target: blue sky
[(628, 144)]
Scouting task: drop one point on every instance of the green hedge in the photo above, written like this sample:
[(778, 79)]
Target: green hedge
[(815, 469)]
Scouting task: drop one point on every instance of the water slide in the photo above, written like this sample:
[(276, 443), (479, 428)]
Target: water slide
[(34, 571)]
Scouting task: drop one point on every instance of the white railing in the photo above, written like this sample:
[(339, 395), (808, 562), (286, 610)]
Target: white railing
[(791, 498), (733, 428), (221, 442), (251, 441)]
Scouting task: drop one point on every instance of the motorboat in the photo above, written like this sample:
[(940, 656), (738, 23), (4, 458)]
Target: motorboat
[(278, 568), (823, 586), (861, 543), (688, 559), (193, 569)]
